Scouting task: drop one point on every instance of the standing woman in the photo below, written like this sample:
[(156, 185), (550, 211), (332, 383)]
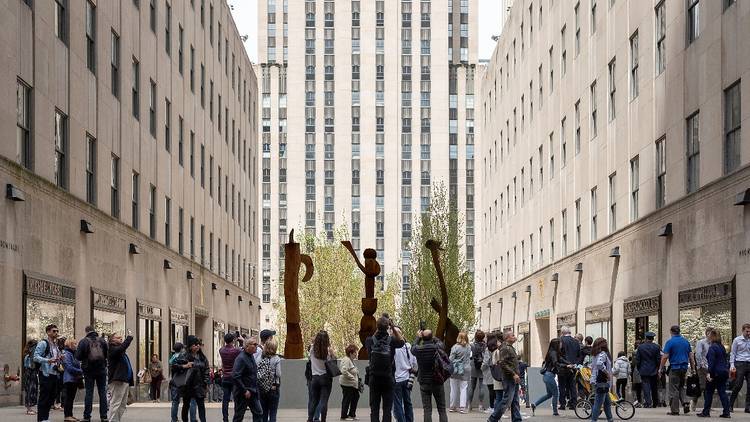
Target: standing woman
[(72, 377), (349, 381), (478, 346), (552, 363), (601, 378), (270, 363), (461, 361), (716, 377), (157, 376), (321, 382), (30, 380), (195, 362), (486, 372)]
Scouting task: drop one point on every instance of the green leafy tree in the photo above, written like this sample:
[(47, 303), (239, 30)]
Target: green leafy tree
[(441, 222), (331, 300)]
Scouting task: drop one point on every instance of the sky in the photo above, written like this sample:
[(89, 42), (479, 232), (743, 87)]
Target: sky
[(245, 15)]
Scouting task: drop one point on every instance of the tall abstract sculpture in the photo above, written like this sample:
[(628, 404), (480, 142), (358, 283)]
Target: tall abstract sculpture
[(371, 269), (293, 347), (446, 330)]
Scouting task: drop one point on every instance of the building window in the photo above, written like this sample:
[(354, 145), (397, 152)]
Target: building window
[(594, 215), (61, 20), (203, 166), (90, 170), (167, 221), (135, 201), (578, 126), (152, 212), (634, 65), (693, 20), (152, 109), (578, 223), (612, 203), (661, 35), (728, 3), (634, 187), (593, 17), (732, 128), (115, 64), (693, 153), (61, 149), (592, 91), (168, 30), (612, 90), (152, 15), (564, 231), (180, 229), (577, 13), (180, 50), (563, 52), (115, 187), (661, 173), (167, 125), (180, 140), (192, 69), (23, 124), (136, 90), (91, 36)]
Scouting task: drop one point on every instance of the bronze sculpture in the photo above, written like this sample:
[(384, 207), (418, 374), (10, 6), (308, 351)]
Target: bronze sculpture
[(293, 346), (371, 269), (446, 330)]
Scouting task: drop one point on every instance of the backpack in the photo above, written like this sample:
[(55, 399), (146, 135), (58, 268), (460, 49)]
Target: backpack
[(46, 353), (442, 368), (96, 354), (477, 354), (381, 360), (266, 374)]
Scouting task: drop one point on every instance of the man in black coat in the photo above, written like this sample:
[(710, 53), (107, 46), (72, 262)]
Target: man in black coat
[(647, 359), (382, 371), (120, 375), (92, 352), (571, 351), (425, 348), (245, 377)]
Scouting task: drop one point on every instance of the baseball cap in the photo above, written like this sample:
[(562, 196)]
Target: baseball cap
[(265, 334)]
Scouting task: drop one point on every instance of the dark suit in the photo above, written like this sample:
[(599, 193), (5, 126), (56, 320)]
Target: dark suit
[(245, 377), (647, 360), (571, 352)]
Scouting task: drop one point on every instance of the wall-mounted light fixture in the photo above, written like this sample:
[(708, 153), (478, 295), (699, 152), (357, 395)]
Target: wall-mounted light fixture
[(239, 298), (555, 277), (134, 249), (579, 267), (665, 230), (86, 227), (226, 292), (514, 295), (168, 264), (615, 252), (13, 193), (213, 286), (189, 275), (743, 198)]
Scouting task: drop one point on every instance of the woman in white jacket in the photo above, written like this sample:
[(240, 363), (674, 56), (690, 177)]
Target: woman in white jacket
[(349, 381), (621, 371)]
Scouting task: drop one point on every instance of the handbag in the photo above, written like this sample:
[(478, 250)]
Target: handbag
[(497, 373), (180, 379), (693, 386), (332, 368)]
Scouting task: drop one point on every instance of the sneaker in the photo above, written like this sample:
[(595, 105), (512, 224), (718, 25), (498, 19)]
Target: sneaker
[(673, 413), (686, 408), (489, 410), (702, 415), (725, 415)]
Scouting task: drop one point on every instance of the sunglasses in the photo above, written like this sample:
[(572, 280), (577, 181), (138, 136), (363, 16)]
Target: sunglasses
[(55, 331)]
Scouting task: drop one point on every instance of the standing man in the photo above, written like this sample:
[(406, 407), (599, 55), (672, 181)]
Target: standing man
[(92, 352), (228, 355), (406, 365), (677, 351), (739, 366), (701, 362), (245, 377), (265, 335), (507, 359), (647, 358), (48, 357), (120, 375), (571, 351), (381, 348), (424, 350)]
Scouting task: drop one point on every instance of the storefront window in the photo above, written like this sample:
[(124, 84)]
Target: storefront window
[(598, 322), (179, 327), (598, 329), (108, 313), (707, 306), (149, 339), (40, 313), (523, 341), (219, 331)]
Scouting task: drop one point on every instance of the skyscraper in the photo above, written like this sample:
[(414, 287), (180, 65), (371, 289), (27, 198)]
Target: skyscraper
[(365, 106)]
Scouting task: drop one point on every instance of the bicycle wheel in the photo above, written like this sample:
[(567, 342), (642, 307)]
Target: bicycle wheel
[(583, 409), (624, 409)]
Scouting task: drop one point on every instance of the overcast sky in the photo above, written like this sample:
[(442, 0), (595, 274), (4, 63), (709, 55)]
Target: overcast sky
[(245, 15)]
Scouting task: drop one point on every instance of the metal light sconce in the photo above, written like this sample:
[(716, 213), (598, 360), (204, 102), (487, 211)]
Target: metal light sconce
[(665, 230), (135, 249), (528, 289), (743, 198), (500, 301), (513, 295), (189, 275), (86, 227), (14, 194), (213, 286), (579, 267), (239, 298), (555, 277), (615, 253), (226, 292), (168, 264)]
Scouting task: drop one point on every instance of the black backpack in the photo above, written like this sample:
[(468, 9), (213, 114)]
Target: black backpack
[(381, 360), (477, 354), (96, 352)]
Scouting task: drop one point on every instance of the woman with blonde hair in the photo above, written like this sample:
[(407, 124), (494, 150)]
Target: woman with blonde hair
[(460, 359), (269, 380), (72, 377)]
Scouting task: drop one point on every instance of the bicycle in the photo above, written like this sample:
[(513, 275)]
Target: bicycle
[(624, 409)]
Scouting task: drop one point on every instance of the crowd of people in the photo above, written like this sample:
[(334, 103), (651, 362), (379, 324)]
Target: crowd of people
[(250, 375)]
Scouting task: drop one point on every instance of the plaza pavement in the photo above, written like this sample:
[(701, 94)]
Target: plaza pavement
[(147, 412)]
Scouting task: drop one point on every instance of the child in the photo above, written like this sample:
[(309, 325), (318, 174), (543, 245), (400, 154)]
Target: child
[(621, 370)]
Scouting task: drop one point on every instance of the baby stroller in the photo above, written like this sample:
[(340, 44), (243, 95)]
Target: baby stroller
[(623, 408)]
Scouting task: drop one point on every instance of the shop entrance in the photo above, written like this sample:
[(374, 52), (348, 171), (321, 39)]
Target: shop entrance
[(542, 329), (523, 341), (178, 327), (642, 314), (149, 342)]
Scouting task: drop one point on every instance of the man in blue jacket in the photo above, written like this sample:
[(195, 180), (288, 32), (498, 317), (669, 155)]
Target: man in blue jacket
[(245, 377), (647, 361), (677, 350)]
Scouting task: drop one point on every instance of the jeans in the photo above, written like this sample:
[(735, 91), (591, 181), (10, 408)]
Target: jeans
[(473, 384), (241, 404), (552, 392), (568, 388), (458, 393), (176, 397), (428, 391), (718, 383), (602, 398), (402, 407), (509, 398), (226, 386), (637, 390), (381, 391), (650, 390), (269, 402), (71, 388), (349, 402), (743, 374), (621, 388), (188, 400), (677, 389), (320, 390), (155, 391), (491, 396), (101, 388), (47, 395)]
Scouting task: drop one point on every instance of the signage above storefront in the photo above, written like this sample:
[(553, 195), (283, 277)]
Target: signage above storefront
[(201, 311), (524, 327), (642, 306), (178, 317), (108, 301), (49, 288), (507, 328), (599, 313), (219, 326), (570, 319), (149, 311), (8, 246), (544, 313), (711, 293)]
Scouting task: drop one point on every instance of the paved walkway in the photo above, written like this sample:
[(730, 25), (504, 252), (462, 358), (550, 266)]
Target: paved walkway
[(142, 412)]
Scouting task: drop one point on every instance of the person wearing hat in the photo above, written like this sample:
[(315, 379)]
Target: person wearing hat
[(647, 361), (228, 355), (265, 335), (679, 353), (175, 393), (195, 362)]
